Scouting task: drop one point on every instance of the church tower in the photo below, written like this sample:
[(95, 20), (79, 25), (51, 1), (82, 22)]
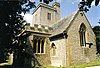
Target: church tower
[(46, 15), (56, 5)]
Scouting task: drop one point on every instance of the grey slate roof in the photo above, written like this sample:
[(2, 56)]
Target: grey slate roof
[(62, 25)]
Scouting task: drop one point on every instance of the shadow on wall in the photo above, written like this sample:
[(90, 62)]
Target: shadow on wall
[(24, 57), (19, 64), (35, 62)]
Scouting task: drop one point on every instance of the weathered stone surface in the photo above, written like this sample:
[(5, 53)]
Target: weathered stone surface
[(41, 17), (77, 51)]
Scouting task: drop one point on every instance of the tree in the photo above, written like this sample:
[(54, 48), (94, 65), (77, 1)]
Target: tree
[(46, 1), (12, 23), (84, 5), (96, 30)]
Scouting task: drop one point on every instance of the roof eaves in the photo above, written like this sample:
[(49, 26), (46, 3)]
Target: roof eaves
[(21, 33)]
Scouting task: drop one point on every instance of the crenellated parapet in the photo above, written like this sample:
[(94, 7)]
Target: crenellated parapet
[(38, 28)]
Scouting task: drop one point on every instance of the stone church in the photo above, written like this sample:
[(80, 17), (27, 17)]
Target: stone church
[(61, 42)]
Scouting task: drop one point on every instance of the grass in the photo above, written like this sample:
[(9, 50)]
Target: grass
[(94, 63), (49, 67), (83, 65)]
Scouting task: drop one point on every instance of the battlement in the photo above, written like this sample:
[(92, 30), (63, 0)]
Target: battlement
[(38, 28)]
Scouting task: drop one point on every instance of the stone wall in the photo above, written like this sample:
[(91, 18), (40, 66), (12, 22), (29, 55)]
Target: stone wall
[(60, 58), (36, 17), (54, 16), (40, 15), (76, 51), (44, 59), (41, 58)]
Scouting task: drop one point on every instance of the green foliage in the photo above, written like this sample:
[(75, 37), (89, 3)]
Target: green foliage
[(96, 30), (12, 23), (83, 65), (90, 64), (46, 1), (85, 4)]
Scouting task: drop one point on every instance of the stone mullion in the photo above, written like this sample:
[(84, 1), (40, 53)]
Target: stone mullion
[(80, 38), (40, 45), (45, 40), (84, 38), (37, 46)]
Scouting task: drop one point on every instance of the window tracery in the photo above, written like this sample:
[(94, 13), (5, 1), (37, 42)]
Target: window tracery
[(38, 44), (82, 35)]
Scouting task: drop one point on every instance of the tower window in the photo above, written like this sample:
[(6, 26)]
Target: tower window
[(49, 16)]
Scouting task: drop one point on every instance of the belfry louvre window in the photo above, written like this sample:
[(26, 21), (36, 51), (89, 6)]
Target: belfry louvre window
[(82, 34), (38, 45), (49, 16)]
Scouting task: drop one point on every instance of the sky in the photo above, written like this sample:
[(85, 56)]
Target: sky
[(69, 6)]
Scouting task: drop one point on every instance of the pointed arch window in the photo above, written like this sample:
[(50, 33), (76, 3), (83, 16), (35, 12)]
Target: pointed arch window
[(53, 47), (82, 34)]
